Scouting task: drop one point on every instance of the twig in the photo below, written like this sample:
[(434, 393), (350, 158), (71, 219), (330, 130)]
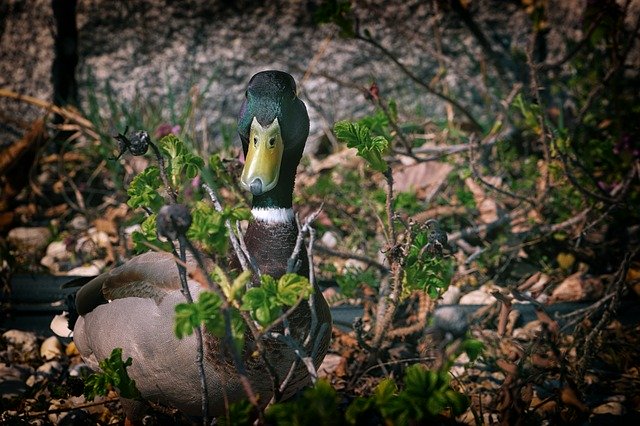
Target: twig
[(590, 346), (302, 231), (348, 255), (163, 172), (237, 360), (237, 241), (542, 117), (419, 81), (182, 273), (423, 309), (482, 180)]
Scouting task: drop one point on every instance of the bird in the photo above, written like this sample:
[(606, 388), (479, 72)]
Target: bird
[(132, 306)]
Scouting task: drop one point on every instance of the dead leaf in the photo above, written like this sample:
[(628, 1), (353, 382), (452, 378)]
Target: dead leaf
[(487, 207), (535, 284), (507, 367), (342, 158), (541, 361), (569, 397), (576, 288), (427, 177), (565, 260), (333, 365)]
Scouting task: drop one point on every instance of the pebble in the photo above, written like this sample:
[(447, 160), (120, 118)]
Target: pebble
[(451, 320), (49, 369), (451, 296), (477, 297), (24, 342), (79, 223), (12, 384), (29, 240), (88, 270), (329, 240), (56, 252), (78, 370), (51, 348)]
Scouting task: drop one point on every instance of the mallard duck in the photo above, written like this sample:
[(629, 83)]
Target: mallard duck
[(132, 306)]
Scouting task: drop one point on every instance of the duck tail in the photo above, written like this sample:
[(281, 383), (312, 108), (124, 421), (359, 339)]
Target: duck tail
[(63, 324)]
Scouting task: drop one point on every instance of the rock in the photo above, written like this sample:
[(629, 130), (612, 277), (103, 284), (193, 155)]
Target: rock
[(78, 370), (88, 270), (29, 240), (23, 342), (450, 320), (56, 252), (51, 348), (477, 297), (451, 296), (78, 223), (49, 369), (329, 240), (12, 383)]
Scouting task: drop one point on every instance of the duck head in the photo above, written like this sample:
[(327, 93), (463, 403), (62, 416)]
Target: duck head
[(273, 125)]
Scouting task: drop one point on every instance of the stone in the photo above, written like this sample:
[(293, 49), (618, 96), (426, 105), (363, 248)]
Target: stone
[(49, 369), (95, 268), (329, 240), (29, 240), (12, 384), (477, 297), (451, 296), (51, 348), (24, 342)]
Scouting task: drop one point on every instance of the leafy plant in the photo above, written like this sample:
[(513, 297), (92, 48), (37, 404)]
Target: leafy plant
[(423, 270), (267, 301), (358, 136), (207, 310), (351, 278), (317, 405), (113, 376)]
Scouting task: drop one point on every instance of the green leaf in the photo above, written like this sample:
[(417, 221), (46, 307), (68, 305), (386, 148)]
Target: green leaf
[(144, 190), (148, 235), (473, 348), (187, 318), (370, 148), (113, 375), (182, 162), (266, 303), (317, 406), (291, 287), (207, 310)]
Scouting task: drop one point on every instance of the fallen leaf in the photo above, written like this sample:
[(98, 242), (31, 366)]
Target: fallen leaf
[(421, 176), (487, 207), (576, 288)]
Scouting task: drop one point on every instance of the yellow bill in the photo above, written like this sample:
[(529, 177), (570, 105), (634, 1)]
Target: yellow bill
[(264, 156)]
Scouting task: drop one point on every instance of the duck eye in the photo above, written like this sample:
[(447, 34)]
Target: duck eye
[(272, 142), (255, 141)]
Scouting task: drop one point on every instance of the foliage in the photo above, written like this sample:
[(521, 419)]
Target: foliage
[(350, 279), (183, 162), (113, 376), (143, 190), (370, 148), (317, 405), (424, 271), (207, 310), (267, 301)]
